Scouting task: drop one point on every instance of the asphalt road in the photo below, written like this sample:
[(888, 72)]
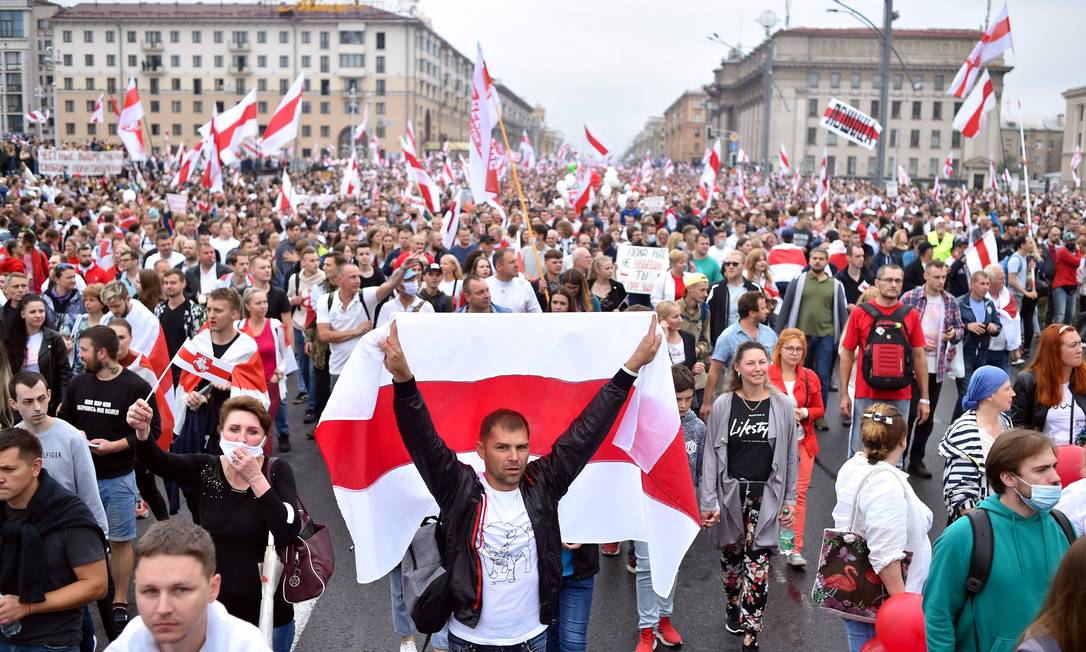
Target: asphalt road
[(357, 617)]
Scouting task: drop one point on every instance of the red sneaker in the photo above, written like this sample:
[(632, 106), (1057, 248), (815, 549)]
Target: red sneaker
[(610, 549), (646, 641), (666, 634)]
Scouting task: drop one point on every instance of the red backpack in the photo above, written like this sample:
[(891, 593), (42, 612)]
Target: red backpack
[(887, 355)]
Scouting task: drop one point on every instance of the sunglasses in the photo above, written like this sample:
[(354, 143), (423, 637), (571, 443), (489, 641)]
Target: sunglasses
[(731, 264)]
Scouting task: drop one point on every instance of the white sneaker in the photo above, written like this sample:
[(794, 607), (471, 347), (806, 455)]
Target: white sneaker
[(408, 646), (796, 560)]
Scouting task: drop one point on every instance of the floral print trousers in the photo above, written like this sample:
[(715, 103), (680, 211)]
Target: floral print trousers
[(745, 571)]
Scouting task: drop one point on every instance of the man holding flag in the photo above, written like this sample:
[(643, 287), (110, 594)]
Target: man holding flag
[(510, 510)]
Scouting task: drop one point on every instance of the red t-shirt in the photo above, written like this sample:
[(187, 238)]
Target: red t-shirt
[(859, 324), (680, 287)]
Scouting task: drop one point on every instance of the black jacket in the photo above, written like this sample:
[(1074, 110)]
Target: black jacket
[(52, 364), (718, 306), (458, 491), (973, 344), (914, 275), (1028, 412), (192, 280)]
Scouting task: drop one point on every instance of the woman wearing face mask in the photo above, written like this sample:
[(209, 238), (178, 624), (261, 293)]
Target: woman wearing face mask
[(968, 440), (33, 346), (242, 497), (275, 354)]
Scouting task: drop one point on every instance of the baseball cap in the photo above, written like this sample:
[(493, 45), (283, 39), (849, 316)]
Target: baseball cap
[(433, 267), (960, 241), (1069, 236), (693, 278)]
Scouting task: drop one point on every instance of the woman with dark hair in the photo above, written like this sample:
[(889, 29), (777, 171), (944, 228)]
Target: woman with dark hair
[(583, 299), (33, 346), (150, 293), (561, 300), (1050, 395), (242, 495), (473, 265), (1061, 625), (748, 485)]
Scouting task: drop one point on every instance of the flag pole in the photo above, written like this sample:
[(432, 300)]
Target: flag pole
[(1025, 170), (158, 382), (524, 213)]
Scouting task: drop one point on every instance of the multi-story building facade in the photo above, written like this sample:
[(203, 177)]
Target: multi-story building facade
[(26, 65), (516, 114), (686, 125), (189, 57), (1044, 145), (812, 65), (650, 139), (1073, 131)]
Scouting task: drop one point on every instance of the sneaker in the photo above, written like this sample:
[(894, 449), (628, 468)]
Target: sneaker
[(408, 646), (796, 560), (820, 424), (1019, 362), (141, 509), (666, 634), (610, 549), (631, 560), (284, 444), (731, 613), (120, 616), (646, 640), (301, 397), (310, 417)]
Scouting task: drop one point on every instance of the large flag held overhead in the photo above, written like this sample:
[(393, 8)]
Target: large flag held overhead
[(709, 172), (99, 114), (593, 138), (527, 152), (235, 125), (451, 224), (282, 127), (967, 74), (287, 200), (130, 123), (482, 159), (982, 253), (981, 100), (637, 485), (37, 117), (1076, 159), (822, 203), (997, 39)]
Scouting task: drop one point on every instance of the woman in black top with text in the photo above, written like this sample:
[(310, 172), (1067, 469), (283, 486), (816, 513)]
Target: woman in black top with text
[(238, 506)]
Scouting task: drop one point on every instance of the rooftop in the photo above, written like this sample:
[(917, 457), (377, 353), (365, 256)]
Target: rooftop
[(215, 12), (868, 33)]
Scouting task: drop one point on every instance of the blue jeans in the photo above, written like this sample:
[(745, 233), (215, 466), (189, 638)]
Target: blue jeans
[(401, 619), (858, 633), (302, 359), (283, 637), (1064, 305), (569, 633), (537, 644), (650, 607), (281, 425), (5, 646), (820, 351), (119, 498)]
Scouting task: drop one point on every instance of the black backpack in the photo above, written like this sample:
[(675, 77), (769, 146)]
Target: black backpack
[(980, 561), (887, 356)]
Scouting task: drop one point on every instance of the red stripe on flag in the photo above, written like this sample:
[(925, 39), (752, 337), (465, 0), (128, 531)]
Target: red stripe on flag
[(595, 143), (359, 452)]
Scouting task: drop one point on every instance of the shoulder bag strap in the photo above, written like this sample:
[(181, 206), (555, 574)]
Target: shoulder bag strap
[(856, 500)]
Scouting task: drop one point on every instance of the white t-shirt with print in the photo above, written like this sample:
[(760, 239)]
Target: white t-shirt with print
[(1058, 422)]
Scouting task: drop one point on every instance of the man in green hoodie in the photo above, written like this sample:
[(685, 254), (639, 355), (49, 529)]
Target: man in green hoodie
[(1028, 544)]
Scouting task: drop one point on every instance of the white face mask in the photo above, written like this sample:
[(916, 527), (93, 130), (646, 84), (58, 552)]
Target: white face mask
[(228, 447), (410, 288)]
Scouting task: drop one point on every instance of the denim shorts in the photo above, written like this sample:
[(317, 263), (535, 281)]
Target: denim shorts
[(119, 499)]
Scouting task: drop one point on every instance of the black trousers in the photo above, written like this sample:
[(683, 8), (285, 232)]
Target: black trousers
[(920, 432), (323, 389), (148, 488)]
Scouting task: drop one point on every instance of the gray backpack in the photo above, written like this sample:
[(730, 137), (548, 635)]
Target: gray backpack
[(425, 580)]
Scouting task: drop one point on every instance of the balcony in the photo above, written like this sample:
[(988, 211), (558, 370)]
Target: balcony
[(238, 46), (152, 46), (152, 70), (241, 71)]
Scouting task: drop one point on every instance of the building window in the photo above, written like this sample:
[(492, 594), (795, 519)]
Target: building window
[(175, 60), (133, 61), (69, 106), (835, 80), (153, 85), (895, 109), (812, 79), (306, 107), (876, 80), (130, 36), (284, 37), (111, 60), (89, 83), (352, 60), (175, 106), (220, 86), (218, 61), (198, 106), (855, 80), (154, 106), (957, 107), (936, 138), (175, 36), (69, 128), (175, 84), (897, 81), (261, 61), (111, 85), (916, 110), (112, 129), (326, 108), (379, 87), (88, 36), (913, 166), (306, 61), (812, 135), (326, 131), (91, 129), (67, 60), (379, 108), (812, 108), (154, 129), (306, 38), (261, 37), (325, 64), (354, 37), (933, 167), (380, 41), (262, 85), (326, 87), (262, 106), (284, 86), (307, 131), (955, 139), (284, 61), (875, 108), (217, 36), (871, 163), (850, 166), (940, 82), (379, 64), (380, 131), (7, 24), (937, 111), (176, 129), (197, 61), (197, 36), (831, 165), (325, 40), (197, 87), (893, 138), (914, 138)]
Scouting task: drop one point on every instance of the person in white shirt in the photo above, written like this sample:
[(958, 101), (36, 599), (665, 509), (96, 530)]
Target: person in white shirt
[(405, 298), (509, 290), (164, 244), (176, 591), (347, 314), (225, 242)]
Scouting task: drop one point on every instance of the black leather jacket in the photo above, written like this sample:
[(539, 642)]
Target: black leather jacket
[(458, 492), (1028, 412)]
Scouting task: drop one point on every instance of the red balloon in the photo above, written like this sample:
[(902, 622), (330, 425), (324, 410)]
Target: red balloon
[(1069, 460), (874, 645), (900, 624)]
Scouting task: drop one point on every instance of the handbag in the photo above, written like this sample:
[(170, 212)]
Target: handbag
[(846, 583), (426, 590), (309, 560)]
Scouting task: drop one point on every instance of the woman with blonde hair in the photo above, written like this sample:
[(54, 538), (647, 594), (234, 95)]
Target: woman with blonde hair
[(680, 344), (95, 310), (669, 286), (674, 241), (452, 280), (610, 293), (756, 270)]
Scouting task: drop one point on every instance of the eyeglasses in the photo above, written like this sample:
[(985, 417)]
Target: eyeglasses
[(792, 349), (894, 281), (730, 264)]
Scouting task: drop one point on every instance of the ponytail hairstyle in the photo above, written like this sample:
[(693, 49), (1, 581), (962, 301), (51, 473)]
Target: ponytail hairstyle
[(882, 430)]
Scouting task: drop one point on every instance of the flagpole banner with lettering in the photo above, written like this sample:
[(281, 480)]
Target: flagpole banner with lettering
[(636, 486), (851, 123)]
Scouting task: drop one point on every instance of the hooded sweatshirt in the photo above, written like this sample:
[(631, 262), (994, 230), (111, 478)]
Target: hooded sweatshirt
[(1026, 554)]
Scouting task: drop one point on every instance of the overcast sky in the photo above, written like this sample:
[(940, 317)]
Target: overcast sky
[(614, 63)]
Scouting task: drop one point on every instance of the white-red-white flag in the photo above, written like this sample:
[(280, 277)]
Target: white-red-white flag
[(741, 157), (783, 162), (287, 200), (37, 117), (483, 163), (948, 166), (997, 39), (822, 203), (446, 178), (967, 74), (936, 190), (212, 177), (1076, 159), (993, 183), (965, 215), (982, 253), (636, 486), (669, 168), (709, 172), (282, 127), (130, 125), (99, 115), (903, 179), (527, 152), (189, 162), (351, 184), (360, 130), (148, 339), (596, 141), (235, 125), (977, 104), (585, 194), (451, 224)]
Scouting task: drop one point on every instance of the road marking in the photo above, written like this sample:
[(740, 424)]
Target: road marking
[(302, 611)]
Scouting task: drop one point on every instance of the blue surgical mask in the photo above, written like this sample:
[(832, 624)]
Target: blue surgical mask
[(228, 447), (410, 288), (1042, 496)]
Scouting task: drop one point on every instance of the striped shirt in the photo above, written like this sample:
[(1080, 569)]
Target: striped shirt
[(964, 483)]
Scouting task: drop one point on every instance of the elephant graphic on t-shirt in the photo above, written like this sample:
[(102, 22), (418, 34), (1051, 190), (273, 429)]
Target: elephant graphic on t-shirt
[(504, 545)]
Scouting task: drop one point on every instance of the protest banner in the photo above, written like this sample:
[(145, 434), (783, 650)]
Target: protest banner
[(177, 203), (654, 204), (851, 123), (54, 162), (638, 267)]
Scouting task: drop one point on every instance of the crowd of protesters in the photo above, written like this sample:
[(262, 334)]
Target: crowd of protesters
[(767, 307)]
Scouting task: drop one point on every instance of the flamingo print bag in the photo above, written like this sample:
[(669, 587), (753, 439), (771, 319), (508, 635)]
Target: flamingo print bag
[(846, 584)]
